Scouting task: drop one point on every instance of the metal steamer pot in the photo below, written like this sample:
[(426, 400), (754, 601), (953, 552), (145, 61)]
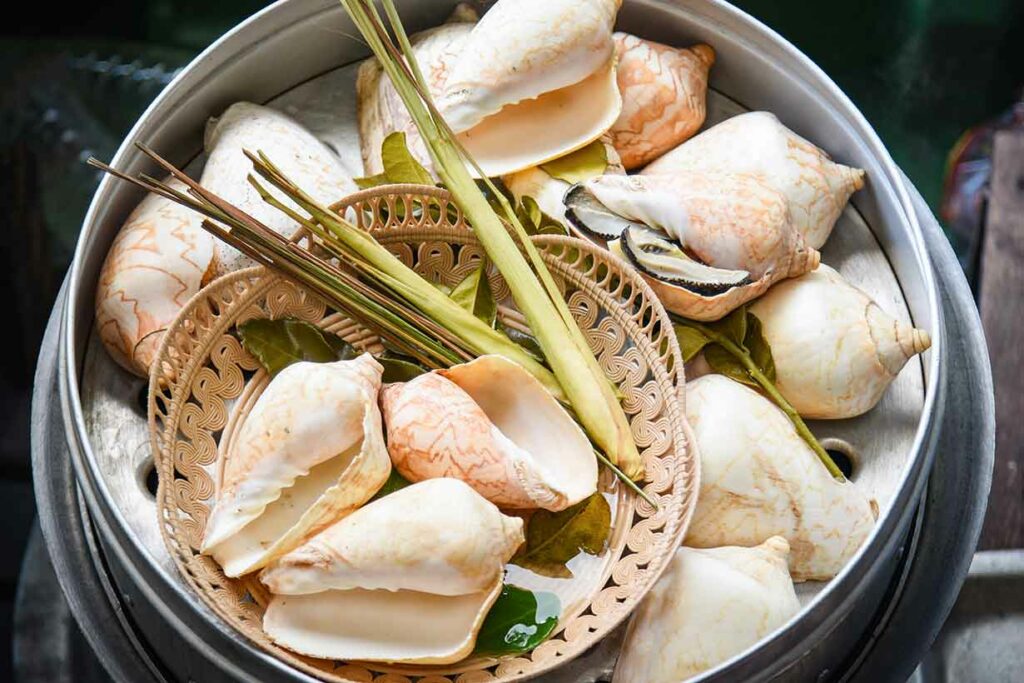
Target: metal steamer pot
[(297, 55)]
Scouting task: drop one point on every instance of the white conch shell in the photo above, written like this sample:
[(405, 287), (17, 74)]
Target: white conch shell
[(549, 191), (437, 536), (380, 110), (816, 187), (310, 451), (708, 606), (835, 350), (158, 261), (533, 81), (379, 625), (664, 92), (727, 220), (760, 479), (493, 425), (418, 570), (294, 150)]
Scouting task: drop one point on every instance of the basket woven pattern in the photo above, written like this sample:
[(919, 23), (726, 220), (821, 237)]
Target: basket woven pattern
[(204, 383)]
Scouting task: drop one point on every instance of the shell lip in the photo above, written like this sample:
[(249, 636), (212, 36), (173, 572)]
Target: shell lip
[(456, 651), (590, 106)]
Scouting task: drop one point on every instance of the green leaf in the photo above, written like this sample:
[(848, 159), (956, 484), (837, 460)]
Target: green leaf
[(400, 166), (554, 538), (583, 164), (535, 221), (734, 325), (399, 368), (519, 620), (532, 212), (369, 181), (691, 341), (757, 345), (276, 344), (474, 294), (524, 339), (394, 483), (724, 363)]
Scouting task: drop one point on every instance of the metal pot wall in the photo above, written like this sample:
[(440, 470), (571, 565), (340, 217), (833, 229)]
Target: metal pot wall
[(296, 40)]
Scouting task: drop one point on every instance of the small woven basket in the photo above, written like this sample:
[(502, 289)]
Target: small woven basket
[(204, 383)]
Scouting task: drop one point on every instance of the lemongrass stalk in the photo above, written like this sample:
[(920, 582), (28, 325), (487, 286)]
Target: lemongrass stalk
[(612, 393), (581, 378), (478, 336)]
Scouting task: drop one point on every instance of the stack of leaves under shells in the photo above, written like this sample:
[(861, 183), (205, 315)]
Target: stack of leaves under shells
[(373, 494)]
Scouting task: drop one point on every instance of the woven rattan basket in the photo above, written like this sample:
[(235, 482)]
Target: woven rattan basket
[(204, 383)]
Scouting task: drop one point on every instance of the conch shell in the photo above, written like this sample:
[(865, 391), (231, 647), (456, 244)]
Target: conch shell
[(159, 260), (162, 256), (726, 220), (835, 350), (380, 110), (493, 425), (816, 188), (413, 554), (760, 479), (408, 578), (533, 81), (547, 190), (707, 607), (664, 92), (310, 451), (293, 149)]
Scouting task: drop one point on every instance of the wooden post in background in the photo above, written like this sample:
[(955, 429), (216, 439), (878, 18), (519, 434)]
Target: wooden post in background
[(1001, 301)]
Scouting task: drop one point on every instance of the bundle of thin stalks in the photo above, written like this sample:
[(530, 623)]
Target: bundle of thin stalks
[(587, 388), (383, 294), (337, 282)]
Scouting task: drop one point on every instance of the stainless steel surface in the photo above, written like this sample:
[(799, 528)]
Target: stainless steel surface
[(294, 41), (982, 639), (957, 495), (84, 584), (900, 635)]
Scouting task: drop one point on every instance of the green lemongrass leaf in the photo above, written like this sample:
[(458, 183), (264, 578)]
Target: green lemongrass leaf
[(474, 294), (583, 164), (518, 621), (400, 166), (757, 345), (691, 341), (276, 344), (369, 181), (394, 482), (554, 538), (734, 325), (399, 368), (725, 363)]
